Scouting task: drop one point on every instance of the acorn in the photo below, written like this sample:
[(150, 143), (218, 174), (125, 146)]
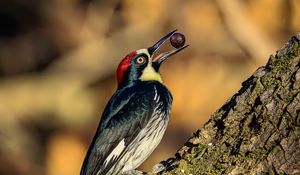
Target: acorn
[(177, 40)]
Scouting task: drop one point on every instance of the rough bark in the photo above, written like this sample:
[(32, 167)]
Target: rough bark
[(256, 131)]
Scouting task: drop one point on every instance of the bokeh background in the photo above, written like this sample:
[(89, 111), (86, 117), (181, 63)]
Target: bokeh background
[(58, 60)]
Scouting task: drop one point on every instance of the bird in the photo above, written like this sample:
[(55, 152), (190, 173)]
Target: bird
[(136, 116)]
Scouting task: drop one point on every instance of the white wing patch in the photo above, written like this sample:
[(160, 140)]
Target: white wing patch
[(116, 152)]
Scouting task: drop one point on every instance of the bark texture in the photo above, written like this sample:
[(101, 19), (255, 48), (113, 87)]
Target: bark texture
[(256, 131)]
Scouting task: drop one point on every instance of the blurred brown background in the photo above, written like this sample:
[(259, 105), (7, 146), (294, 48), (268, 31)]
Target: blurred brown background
[(58, 60)]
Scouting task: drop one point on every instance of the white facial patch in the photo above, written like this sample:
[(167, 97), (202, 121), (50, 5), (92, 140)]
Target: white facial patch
[(144, 51)]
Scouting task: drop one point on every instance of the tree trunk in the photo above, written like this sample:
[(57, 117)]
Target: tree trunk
[(256, 131)]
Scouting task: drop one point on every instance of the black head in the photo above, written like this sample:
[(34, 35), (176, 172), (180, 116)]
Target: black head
[(142, 65)]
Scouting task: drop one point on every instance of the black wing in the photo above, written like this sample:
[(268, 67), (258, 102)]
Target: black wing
[(126, 114)]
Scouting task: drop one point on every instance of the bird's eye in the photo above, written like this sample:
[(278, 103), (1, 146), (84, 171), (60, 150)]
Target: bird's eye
[(140, 60)]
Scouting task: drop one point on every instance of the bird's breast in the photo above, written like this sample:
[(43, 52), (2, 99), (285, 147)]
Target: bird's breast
[(148, 139), (151, 134)]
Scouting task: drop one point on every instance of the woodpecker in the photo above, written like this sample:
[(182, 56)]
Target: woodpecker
[(136, 116)]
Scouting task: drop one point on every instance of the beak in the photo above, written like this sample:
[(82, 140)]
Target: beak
[(163, 56)]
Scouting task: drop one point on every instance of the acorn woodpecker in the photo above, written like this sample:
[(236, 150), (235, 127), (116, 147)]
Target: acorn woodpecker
[(136, 116)]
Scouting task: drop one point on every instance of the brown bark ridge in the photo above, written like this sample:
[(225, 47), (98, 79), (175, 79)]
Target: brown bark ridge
[(257, 131)]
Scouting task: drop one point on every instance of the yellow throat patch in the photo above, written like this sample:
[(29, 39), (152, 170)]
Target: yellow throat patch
[(150, 74)]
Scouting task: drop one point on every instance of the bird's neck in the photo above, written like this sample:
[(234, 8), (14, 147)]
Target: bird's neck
[(133, 76), (150, 74), (136, 82)]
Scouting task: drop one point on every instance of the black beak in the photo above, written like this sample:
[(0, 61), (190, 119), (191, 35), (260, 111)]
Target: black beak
[(163, 56)]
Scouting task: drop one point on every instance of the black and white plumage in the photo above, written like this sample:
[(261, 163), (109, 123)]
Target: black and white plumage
[(135, 118), (130, 135)]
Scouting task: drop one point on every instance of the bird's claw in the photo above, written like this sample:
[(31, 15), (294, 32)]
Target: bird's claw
[(134, 172), (164, 166), (158, 168)]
